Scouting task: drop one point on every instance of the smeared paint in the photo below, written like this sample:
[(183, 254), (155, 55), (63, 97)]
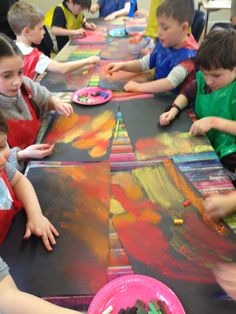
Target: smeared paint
[(84, 132), (170, 144), (188, 252)]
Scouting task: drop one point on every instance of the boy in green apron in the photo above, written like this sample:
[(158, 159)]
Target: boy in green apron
[(214, 93)]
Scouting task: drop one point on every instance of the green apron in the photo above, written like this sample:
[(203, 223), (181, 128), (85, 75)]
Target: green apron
[(220, 103)]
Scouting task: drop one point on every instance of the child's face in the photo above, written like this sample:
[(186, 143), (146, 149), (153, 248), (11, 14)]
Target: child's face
[(171, 33), (11, 75), (36, 34), (219, 78), (4, 151)]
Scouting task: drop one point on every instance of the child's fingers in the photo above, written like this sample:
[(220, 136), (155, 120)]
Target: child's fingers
[(27, 234)]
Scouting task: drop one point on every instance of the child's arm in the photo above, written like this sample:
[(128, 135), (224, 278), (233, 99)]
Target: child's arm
[(62, 108), (121, 12), (14, 301), (225, 275), (60, 31), (129, 66), (66, 67), (181, 101), (37, 223), (218, 206), (157, 86), (203, 125)]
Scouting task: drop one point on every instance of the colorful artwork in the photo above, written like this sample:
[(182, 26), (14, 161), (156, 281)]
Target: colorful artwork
[(144, 205), (68, 82), (74, 53), (112, 49), (78, 264), (142, 117), (170, 144), (117, 80), (98, 36), (85, 136)]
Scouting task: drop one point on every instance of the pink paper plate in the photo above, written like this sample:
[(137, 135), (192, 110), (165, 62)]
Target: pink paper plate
[(86, 96), (124, 291)]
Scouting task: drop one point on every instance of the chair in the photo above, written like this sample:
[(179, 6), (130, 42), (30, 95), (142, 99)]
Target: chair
[(199, 22)]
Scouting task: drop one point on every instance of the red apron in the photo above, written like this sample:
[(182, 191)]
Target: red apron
[(30, 62), (23, 133), (7, 215)]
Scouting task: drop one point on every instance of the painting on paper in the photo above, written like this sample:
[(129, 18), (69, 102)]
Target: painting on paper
[(117, 80), (145, 203), (85, 136), (78, 263), (121, 49)]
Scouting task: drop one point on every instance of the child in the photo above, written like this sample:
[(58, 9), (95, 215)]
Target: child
[(17, 191), (21, 101), (112, 9), (67, 19), (27, 23), (173, 53), (214, 92), (14, 185), (218, 206)]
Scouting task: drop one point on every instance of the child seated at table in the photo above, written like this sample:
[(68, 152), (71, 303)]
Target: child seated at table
[(112, 9), (22, 101), (16, 189), (27, 23), (67, 19), (173, 54), (213, 91), (218, 206), (17, 192)]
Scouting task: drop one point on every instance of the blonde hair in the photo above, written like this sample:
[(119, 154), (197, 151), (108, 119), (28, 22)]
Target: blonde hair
[(23, 14)]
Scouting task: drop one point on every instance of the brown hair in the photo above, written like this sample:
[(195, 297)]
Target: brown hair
[(8, 47), (180, 10), (3, 124), (85, 4), (218, 50), (23, 14)]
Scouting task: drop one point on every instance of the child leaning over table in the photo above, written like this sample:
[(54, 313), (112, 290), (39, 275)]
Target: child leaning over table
[(16, 190), (27, 23), (67, 19), (214, 92), (173, 54), (112, 9), (218, 206), (22, 101)]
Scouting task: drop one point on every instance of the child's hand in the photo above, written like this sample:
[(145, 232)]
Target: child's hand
[(40, 226), (79, 32), (110, 17), (37, 151), (113, 67), (63, 108), (94, 60), (167, 117), (201, 126), (90, 26), (218, 205), (225, 275), (132, 86)]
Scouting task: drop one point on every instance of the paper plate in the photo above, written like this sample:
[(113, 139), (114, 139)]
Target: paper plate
[(124, 291), (87, 96), (117, 32)]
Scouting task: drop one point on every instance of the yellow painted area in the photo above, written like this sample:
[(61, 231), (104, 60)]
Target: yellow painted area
[(115, 207)]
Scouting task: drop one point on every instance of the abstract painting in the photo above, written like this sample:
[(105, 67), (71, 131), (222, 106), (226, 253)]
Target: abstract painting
[(85, 136), (121, 49), (76, 200), (144, 205), (68, 82), (117, 80), (97, 36)]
